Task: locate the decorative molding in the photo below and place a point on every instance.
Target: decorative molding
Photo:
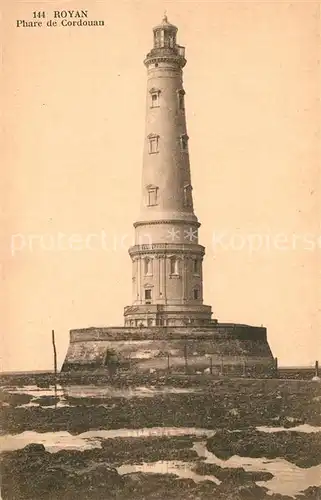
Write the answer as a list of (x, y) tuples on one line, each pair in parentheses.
[(167, 221), (179, 60), (167, 249), (174, 256)]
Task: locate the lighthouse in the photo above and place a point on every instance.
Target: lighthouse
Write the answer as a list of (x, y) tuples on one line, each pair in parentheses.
[(167, 327), (167, 259)]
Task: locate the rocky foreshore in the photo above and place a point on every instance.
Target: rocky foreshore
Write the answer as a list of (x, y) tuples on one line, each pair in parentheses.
[(35, 474), (226, 404), (302, 449), (222, 405)]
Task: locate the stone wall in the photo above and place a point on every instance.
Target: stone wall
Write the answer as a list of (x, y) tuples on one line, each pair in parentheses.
[(169, 349)]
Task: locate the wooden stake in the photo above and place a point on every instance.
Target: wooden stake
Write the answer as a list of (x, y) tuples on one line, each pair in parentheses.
[(55, 352), (55, 364)]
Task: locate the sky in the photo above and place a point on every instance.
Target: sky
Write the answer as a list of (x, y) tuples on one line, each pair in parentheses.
[(72, 142)]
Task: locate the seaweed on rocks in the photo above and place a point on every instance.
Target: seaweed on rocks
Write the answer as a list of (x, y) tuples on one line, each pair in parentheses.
[(304, 450), (235, 475)]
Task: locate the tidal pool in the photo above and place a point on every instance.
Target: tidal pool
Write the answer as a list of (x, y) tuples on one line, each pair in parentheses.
[(179, 468), (299, 428), (55, 441), (288, 479), (91, 392)]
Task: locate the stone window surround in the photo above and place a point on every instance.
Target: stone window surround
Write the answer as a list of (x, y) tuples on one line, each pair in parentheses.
[(152, 195), (174, 268), (148, 266), (148, 297), (154, 92), (184, 142), (187, 195), (153, 143), (196, 267), (181, 100)]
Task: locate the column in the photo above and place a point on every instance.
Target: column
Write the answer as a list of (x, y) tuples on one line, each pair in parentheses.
[(139, 279), (165, 279), (158, 276), (184, 263)]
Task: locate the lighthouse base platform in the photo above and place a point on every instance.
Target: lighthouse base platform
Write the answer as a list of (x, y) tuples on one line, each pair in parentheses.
[(218, 348)]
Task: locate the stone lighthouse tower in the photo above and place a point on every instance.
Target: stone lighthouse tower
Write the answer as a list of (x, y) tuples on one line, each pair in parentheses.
[(167, 326), (167, 287)]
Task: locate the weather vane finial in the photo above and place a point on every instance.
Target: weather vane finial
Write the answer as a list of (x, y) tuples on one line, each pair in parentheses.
[(165, 16)]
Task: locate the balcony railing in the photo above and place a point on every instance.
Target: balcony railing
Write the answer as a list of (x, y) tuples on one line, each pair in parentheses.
[(168, 247)]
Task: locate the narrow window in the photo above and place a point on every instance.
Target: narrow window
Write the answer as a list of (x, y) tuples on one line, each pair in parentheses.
[(196, 266), (174, 265), (154, 93), (148, 266), (196, 294), (188, 202), (152, 196), (153, 143), (148, 296), (184, 142), (157, 39), (154, 100), (181, 99), (162, 37)]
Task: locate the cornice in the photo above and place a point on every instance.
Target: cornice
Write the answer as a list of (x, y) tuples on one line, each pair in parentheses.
[(165, 249), (167, 221), (179, 60)]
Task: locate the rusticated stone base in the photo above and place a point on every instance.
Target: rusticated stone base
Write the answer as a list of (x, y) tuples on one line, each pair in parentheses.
[(223, 348)]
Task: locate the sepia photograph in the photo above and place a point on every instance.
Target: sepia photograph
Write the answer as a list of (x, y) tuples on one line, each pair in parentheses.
[(161, 250)]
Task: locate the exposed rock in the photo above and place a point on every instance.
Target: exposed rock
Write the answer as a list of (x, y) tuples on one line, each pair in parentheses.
[(46, 400), (233, 475), (312, 493), (225, 404), (300, 448), (13, 399), (247, 491), (33, 473)]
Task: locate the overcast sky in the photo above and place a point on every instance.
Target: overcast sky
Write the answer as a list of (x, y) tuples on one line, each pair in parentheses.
[(74, 111)]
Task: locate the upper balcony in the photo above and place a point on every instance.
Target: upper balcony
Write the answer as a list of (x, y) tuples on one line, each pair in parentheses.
[(176, 53)]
